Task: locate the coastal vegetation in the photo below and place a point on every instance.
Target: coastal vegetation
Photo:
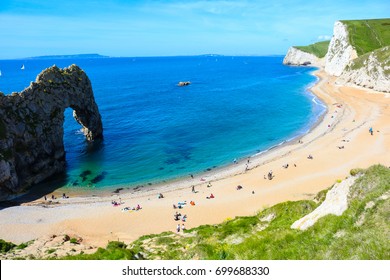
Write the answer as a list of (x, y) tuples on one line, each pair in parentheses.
[(382, 56), (368, 35), (361, 232), (319, 49)]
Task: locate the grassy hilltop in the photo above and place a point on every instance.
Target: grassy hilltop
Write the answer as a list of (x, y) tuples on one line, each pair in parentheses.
[(368, 35), (319, 49), (364, 35)]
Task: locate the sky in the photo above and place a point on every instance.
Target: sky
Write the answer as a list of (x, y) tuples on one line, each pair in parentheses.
[(167, 28)]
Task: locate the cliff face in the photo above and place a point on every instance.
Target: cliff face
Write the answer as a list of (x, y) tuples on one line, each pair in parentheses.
[(295, 56), (340, 52), (371, 70), (31, 126)]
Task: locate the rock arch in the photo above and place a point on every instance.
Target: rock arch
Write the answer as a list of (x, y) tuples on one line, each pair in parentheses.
[(31, 126)]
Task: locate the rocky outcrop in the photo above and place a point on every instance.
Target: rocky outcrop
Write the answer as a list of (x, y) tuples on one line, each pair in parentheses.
[(31, 126), (295, 56), (371, 70), (336, 202), (340, 52)]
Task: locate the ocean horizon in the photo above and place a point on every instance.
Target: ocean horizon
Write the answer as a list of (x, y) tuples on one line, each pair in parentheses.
[(154, 130)]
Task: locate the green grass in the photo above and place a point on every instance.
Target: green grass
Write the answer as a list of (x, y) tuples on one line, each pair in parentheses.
[(368, 35), (382, 55), (6, 246), (115, 250), (319, 49)]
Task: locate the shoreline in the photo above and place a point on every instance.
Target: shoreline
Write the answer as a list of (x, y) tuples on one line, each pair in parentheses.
[(350, 112), (228, 169)]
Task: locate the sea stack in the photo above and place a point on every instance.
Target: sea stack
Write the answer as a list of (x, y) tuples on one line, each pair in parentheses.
[(31, 127)]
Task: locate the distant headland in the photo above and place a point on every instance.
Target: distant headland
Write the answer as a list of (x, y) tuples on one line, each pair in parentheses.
[(60, 56)]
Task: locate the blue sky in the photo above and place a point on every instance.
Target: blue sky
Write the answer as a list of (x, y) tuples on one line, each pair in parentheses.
[(177, 27)]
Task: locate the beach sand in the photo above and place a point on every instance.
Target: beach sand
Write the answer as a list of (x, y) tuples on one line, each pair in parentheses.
[(351, 112)]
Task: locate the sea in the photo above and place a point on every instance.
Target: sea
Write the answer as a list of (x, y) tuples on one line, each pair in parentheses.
[(155, 131)]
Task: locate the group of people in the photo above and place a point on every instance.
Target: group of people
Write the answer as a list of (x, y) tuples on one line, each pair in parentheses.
[(53, 196), (211, 196)]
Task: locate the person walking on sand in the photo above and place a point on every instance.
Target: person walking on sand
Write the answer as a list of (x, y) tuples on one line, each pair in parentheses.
[(178, 228), (193, 189), (371, 131), (183, 227)]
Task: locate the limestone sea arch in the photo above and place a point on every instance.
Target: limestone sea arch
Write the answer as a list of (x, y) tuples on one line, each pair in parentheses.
[(31, 126)]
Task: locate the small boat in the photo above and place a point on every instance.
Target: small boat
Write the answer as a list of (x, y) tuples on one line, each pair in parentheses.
[(182, 84), (22, 67), (0, 73)]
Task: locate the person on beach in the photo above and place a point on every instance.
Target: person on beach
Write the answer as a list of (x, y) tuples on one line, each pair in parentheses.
[(192, 176), (192, 203), (178, 228), (160, 195), (209, 185), (184, 218), (270, 175), (235, 161), (183, 227), (193, 189), (371, 131), (45, 197), (310, 157)]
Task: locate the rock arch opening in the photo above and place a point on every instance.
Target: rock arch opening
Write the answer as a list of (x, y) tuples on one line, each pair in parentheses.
[(32, 132)]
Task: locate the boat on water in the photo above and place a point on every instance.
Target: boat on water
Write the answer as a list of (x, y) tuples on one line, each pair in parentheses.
[(182, 84), (0, 73), (22, 67)]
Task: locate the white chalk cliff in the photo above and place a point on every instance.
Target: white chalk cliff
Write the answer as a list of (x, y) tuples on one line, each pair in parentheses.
[(371, 70), (340, 52), (295, 56)]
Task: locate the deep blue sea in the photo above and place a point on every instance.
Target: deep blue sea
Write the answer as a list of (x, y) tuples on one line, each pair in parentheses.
[(154, 130)]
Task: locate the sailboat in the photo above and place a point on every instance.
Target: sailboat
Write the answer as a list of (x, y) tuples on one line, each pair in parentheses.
[(22, 67)]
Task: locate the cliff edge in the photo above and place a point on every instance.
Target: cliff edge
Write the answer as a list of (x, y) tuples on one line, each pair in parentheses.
[(340, 52), (311, 55), (297, 57), (31, 126), (358, 54)]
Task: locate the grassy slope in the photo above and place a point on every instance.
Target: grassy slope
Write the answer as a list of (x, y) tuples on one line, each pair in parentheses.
[(332, 237), (368, 35), (319, 49), (382, 55)]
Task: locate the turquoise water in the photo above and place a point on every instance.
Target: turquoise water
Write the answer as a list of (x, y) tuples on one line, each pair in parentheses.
[(154, 130)]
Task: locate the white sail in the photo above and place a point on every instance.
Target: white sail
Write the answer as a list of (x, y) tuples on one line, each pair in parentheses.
[(22, 67)]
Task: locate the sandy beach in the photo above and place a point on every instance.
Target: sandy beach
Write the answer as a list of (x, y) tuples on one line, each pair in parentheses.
[(339, 142)]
